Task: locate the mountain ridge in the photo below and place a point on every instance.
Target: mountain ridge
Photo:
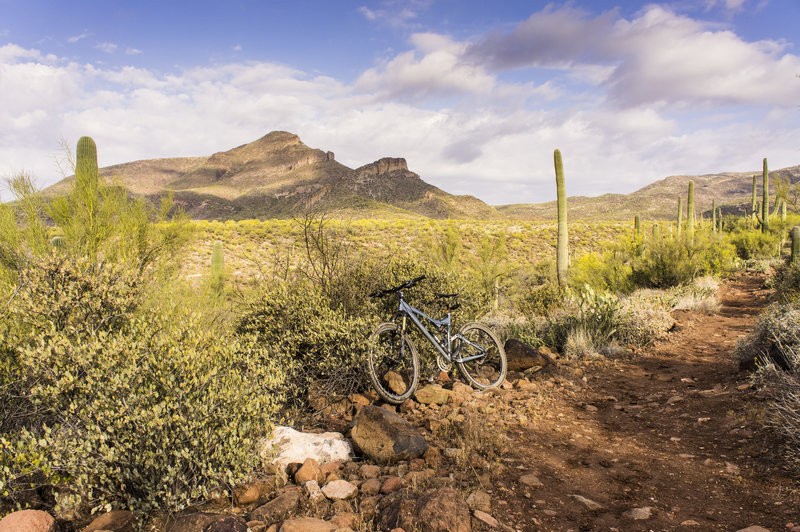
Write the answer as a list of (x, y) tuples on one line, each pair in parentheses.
[(278, 176)]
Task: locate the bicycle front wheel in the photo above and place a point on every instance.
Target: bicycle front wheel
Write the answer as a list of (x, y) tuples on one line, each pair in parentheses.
[(393, 364), (480, 357)]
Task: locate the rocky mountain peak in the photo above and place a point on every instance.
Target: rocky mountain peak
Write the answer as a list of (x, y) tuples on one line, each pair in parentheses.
[(383, 166)]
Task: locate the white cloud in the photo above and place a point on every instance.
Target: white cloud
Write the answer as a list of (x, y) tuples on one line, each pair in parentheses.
[(107, 47), (132, 51), (76, 38), (396, 13), (659, 56)]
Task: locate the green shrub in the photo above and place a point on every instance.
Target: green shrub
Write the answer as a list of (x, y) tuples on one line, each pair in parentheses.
[(644, 317), (755, 244), (103, 407), (610, 271), (668, 263), (319, 340), (786, 282)]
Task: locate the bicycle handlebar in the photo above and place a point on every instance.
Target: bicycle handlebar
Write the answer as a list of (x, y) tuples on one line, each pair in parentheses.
[(401, 286)]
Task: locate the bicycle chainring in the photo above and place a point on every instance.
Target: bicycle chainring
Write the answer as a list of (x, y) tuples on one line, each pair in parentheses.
[(443, 364)]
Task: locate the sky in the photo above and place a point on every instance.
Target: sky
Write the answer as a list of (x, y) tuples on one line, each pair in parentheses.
[(475, 95)]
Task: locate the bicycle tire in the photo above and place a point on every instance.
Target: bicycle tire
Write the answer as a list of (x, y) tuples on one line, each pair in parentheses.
[(488, 371), (386, 356)]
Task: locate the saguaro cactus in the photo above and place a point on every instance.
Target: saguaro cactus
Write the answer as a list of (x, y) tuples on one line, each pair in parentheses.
[(86, 172), (765, 199), (562, 251), (637, 227), (656, 232), (713, 216), (795, 244), (753, 202), (680, 215), (690, 219), (217, 263)]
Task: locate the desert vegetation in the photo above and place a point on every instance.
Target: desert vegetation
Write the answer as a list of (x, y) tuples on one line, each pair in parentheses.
[(144, 354)]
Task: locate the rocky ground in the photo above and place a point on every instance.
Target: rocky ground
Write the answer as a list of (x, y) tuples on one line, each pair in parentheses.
[(664, 439)]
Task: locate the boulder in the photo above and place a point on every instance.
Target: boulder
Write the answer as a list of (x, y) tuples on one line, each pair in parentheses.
[(287, 445), (307, 524), (277, 509), (310, 470), (339, 490), (520, 356), (227, 523), (443, 510), (115, 520), (432, 393), (257, 491), (189, 522), (438, 510), (480, 500), (386, 437), (27, 521)]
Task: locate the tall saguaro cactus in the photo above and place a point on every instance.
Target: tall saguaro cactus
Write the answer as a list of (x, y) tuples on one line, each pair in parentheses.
[(217, 264), (713, 216), (753, 202), (795, 244), (680, 215), (562, 251), (87, 192), (690, 219), (765, 199)]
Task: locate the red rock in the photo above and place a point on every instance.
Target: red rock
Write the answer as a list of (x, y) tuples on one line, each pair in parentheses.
[(27, 521)]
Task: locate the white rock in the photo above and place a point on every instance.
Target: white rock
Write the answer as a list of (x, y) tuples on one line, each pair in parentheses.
[(639, 514), (288, 445), (314, 493), (589, 503), (339, 489), (754, 528)]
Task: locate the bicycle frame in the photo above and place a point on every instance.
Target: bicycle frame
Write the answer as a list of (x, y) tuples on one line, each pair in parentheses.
[(415, 314)]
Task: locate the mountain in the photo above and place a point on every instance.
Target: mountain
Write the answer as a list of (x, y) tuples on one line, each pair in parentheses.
[(659, 200), (278, 176)]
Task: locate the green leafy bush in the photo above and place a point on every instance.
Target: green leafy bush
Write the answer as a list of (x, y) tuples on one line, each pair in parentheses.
[(751, 244), (786, 282), (319, 341), (113, 407), (672, 262)]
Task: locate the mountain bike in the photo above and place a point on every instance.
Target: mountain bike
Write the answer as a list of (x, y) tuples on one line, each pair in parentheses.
[(393, 358)]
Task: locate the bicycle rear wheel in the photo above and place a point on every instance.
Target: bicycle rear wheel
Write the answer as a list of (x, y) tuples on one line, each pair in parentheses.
[(480, 357), (393, 363)]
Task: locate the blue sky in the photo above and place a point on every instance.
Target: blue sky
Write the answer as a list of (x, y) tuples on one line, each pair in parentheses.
[(474, 94)]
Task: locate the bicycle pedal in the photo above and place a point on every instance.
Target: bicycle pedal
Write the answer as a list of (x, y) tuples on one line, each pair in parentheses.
[(435, 376)]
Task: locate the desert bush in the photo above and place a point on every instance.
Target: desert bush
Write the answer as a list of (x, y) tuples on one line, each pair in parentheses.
[(672, 262), (753, 244), (775, 346), (700, 296), (320, 341), (586, 324), (608, 271), (776, 337), (124, 407), (786, 282), (644, 317)]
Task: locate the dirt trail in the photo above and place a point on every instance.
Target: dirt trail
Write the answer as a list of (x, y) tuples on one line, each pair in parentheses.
[(672, 430)]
